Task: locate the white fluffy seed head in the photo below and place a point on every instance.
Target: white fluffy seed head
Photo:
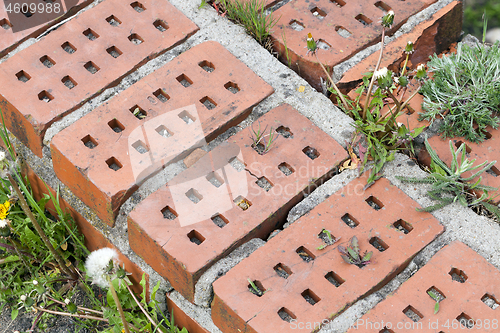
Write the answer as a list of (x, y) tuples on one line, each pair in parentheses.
[(23, 298), (97, 263), (380, 73)]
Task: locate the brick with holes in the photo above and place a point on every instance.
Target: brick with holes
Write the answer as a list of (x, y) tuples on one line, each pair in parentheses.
[(107, 154), (317, 283), (231, 195), (465, 285), (74, 63), (341, 28)]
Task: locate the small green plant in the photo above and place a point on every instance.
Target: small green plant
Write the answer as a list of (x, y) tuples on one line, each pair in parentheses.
[(287, 52), (259, 141), (202, 4), (254, 289), (464, 91), (352, 254), (378, 134), (251, 15), (455, 183), (327, 238), (435, 297)]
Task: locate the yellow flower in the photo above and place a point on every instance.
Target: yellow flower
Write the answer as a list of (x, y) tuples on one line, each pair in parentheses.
[(4, 210)]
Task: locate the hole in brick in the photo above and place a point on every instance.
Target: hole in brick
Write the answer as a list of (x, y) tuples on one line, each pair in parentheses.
[(140, 147), (363, 19), (334, 279), (91, 67), (305, 254), (243, 203), (237, 164), (412, 313), (323, 45), (5, 24), (89, 142), (282, 270), (311, 152), (350, 221), (219, 220), (310, 296), (68, 47), (91, 34), (135, 39), (163, 131), (232, 87), (374, 203), (285, 132), (45, 96), (286, 168), (69, 82), (47, 62), (208, 103), (458, 275), (138, 7), (386, 330), (402, 225), (439, 296), (25, 10), (296, 25), (465, 321), (286, 315), (161, 25), (467, 148), (113, 21), (490, 301), (343, 32), (339, 3), (23, 76), (184, 80), (327, 237), (195, 237), (161, 95), (114, 51), (264, 183), (257, 288), (169, 213), (194, 195), (215, 179), (487, 135), (207, 66), (382, 6), (116, 126), (493, 171), (187, 117), (379, 244), (138, 112), (114, 164), (318, 13)]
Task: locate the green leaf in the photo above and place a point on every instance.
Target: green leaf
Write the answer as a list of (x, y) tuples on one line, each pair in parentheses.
[(367, 256), (12, 258), (436, 308), (14, 314)]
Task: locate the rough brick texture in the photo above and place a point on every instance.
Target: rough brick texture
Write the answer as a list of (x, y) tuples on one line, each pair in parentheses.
[(180, 239), (304, 284), (463, 281), (91, 52)]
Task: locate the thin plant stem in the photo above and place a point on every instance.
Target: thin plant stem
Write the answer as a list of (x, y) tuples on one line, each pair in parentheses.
[(81, 308), (118, 305), (71, 314), (141, 307), (346, 106), (398, 105), (21, 256), (404, 66), (29, 213), (370, 87)]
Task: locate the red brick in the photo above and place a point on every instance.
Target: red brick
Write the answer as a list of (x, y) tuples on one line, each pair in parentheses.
[(182, 319), (30, 107), (339, 14), (166, 244), (462, 298), (94, 240), (235, 308), (86, 172), (429, 37), (30, 27)]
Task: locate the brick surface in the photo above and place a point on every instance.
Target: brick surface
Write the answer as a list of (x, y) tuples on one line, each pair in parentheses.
[(181, 239), (466, 281), (488, 150), (321, 276), (429, 37), (175, 121), (182, 319), (94, 240), (17, 27), (343, 27), (77, 61)]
